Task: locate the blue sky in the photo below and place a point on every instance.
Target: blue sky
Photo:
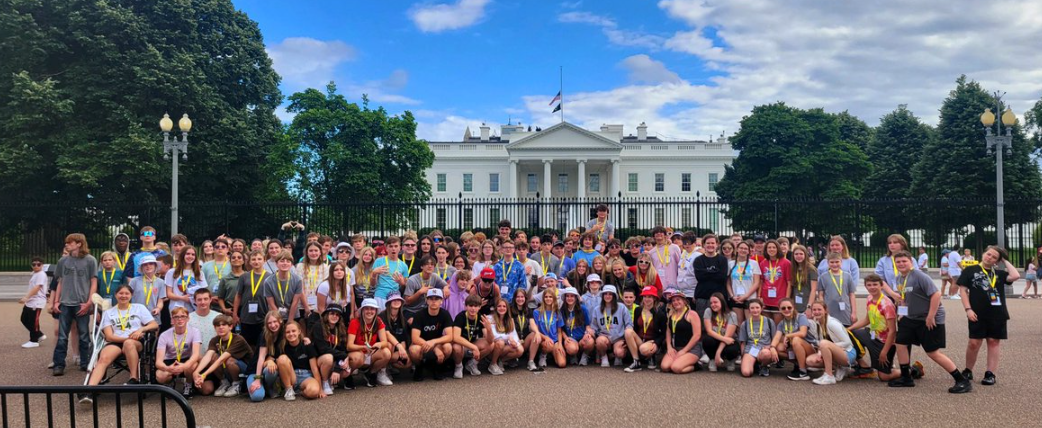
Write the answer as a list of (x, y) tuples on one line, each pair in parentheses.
[(689, 68)]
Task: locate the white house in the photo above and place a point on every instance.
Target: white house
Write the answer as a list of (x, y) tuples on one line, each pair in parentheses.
[(566, 161)]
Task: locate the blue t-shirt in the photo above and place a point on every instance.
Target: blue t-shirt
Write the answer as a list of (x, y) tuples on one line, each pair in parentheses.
[(511, 276), (549, 323), (583, 255), (574, 327), (133, 270), (385, 283)]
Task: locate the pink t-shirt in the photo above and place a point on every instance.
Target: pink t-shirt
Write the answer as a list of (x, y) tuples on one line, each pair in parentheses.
[(774, 275), (170, 344)]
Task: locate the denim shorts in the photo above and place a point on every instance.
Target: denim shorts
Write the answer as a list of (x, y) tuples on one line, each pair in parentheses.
[(302, 375)]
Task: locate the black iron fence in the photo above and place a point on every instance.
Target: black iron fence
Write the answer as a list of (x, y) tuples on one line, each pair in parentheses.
[(28, 229), (58, 405)]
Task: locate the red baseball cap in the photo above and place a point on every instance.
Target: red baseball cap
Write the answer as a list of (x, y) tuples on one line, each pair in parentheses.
[(649, 291), (488, 273)]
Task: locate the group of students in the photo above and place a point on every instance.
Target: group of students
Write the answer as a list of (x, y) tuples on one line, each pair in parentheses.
[(675, 302)]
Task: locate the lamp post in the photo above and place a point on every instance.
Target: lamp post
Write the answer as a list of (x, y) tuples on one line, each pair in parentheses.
[(1000, 142), (174, 146)]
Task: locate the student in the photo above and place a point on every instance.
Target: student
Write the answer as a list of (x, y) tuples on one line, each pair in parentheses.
[(417, 285), (586, 251), (486, 256), (619, 275), (887, 269), (442, 268), (876, 331), (835, 350), (121, 246), (149, 290), (336, 288), (755, 335), (719, 343), (470, 338), (686, 281), (461, 286), (611, 325), (365, 279), (228, 287), (506, 345), (549, 284), (184, 279), (548, 327), (649, 324), (297, 363), (267, 369), (578, 341), (804, 280), (225, 358), (77, 281), (533, 271), (645, 275), (202, 318), (633, 247), (510, 273), (743, 281), (838, 291), (409, 254), (593, 291), (250, 306), (548, 262), (579, 277), (283, 290), (682, 336), (178, 351), (368, 349), (727, 249), (487, 290), (399, 335), (665, 257), (521, 313), (600, 227), (848, 264), (431, 337), (273, 248), (776, 274), (109, 277), (34, 300), (711, 272), (148, 247), (124, 327), (922, 324), (983, 291), (217, 269), (391, 272), (313, 270)]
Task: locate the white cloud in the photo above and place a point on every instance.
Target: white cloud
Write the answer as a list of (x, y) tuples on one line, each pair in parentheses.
[(611, 30), (644, 69), (447, 126), (305, 62), (435, 18)]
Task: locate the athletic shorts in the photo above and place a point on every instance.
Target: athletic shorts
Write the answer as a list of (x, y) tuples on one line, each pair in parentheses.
[(988, 329), (874, 348), (914, 332), (735, 305)]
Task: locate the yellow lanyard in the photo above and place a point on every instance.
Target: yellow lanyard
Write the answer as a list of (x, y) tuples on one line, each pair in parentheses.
[(123, 263), (788, 325), (756, 340), (218, 272), (677, 319), (546, 266), (548, 323), (893, 264), (607, 319), (282, 293), (602, 232), (521, 321), (799, 285), (571, 322), (992, 278), (506, 269), (180, 347), (397, 264), (314, 277), (443, 273), (646, 320), (369, 331), (124, 321), (108, 282), (149, 288), (663, 257), (184, 281), (633, 311), (367, 280), (720, 324), (254, 285), (772, 270), (903, 285), (411, 262), (226, 347), (839, 287)]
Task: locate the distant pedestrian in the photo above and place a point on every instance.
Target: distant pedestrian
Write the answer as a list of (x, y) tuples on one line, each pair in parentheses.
[(34, 300)]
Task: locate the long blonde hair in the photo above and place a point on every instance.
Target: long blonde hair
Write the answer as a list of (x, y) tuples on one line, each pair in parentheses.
[(651, 275), (273, 338)]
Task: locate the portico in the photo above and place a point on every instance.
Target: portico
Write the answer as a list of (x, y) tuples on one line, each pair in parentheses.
[(568, 162)]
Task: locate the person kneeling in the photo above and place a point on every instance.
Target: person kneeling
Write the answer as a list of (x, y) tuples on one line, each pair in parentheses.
[(469, 333), (431, 337), (178, 352), (367, 345), (297, 364), (225, 359)]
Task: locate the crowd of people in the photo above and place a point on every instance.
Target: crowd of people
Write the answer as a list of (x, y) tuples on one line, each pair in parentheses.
[(251, 317)]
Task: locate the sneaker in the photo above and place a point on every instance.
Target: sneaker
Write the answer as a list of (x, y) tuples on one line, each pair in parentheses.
[(495, 369), (42, 338), (901, 382), (233, 390), (542, 361), (349, 381), (573, 360), (825, 379), (532, 367), (458, 373), (968, 374), (961, 387), (417, 375), (326, 389), (604, 361), (132, 381), (584, 359), (779, 365), (863, 373), (651, 364), (917, 370), (618, 362), (841, 373), (634, 367), (730, 366), (31, 344), (704, 359), (290, 395), (86, 399), (438, 374), (712, 366), (50, 365), (798, 375), (383, 379), (814, 369), (989, 379), (765, 371), (187, 391), (222, 389), (58, 371), (370, 380), (472, 367), (956, 297)]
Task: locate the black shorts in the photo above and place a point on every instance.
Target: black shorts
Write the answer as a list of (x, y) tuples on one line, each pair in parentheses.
[(914, 332), (874, 348), (735, 305), (988, 329)]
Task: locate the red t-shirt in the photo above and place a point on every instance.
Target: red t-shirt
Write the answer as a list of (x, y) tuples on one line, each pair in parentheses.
[(775, 277), (362, 334)]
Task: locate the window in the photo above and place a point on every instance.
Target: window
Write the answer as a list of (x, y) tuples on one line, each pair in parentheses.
[(468, 182), (631, 217), (493, 217), (562, 183), (685, 218), (685, 182), (633, 182), (660, 216), (713, 179), (714, 220), (595, 183), (468, 218), (532, 185), (660, 183), (441, 182), (493, 182), (440, 218)]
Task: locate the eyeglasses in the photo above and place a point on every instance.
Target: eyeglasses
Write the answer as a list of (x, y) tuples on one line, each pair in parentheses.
[(37, 264), (409, 245), (179, 317), (220, 246), (472, 250)]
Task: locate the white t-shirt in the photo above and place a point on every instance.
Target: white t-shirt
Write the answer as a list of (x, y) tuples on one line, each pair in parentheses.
[(923, 258), (38, 300), (189, 282), (345, 301), (510, 337), (204, 325), (124, 322), (953, 264)]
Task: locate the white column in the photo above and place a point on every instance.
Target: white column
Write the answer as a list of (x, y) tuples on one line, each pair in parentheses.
[(581, 182), (512, 180), (546, 178), (615, 178)]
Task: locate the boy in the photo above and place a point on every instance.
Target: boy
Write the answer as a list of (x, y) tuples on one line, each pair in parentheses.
[(510, 273), (225, 359), (922, 324), (148, 247), (602, 229), (587, 251), (202, 318), (77, 281), (417, 285), (218, 268), (468, 337), (880, 334), (665, 257), (838, 288), (431, 337), (284, 290), (391, 279), (34, 301), (178, 352)]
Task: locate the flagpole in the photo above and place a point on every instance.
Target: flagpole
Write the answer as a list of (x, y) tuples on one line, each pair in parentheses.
[(562, 93)]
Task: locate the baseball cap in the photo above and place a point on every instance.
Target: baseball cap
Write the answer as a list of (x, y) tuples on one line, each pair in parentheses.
[(649, 291), (488, 274), (551, 275), (594, 277), (670, 292), (759, 238), (435, 292), (371, 303), (335, 307)]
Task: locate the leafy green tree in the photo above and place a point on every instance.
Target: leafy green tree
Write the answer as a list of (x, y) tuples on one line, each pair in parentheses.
[(897, 145), (854, 130)]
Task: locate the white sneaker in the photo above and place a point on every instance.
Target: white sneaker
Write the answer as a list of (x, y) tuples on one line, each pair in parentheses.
[(956, 297), (44, 337), (30, 344), (584, 359), (50, 365), (290, 395), (841, 373), (223, 388), (704, 360), (326, 388), (542, 360), (730, 366), (233, 390), (495, 369), (604, 361), (825, 379), (531, 366), (383, 379), (458, 373), (472, 367), (712, 365)]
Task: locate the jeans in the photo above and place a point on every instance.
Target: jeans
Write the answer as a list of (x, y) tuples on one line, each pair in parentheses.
[(268, 383), (66, 317)]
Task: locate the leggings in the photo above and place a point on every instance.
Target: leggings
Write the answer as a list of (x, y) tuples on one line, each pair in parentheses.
[(730, 352), (31, 321)]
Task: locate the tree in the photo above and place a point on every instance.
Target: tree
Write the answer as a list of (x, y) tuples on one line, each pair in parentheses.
[(854, 130), (788, 153), (897, 145), (962, 170)]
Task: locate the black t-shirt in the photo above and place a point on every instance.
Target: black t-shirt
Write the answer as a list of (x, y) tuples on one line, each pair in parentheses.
[(978, 283), (431, 326), (398, 328), (300, 355), (472, 330), (629, 259)]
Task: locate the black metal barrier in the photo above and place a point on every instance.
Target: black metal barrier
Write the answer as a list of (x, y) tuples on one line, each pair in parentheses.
[(50, 393)]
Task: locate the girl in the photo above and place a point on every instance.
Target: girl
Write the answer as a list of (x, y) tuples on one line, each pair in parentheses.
[(395, 324), (549, 337), (618, 275), (473, 251), (776, 274), (743, 280), (804, 280), (520, 313), (208, 252), (228, 287), (297, 363), (109, 276), (487, 257), (792, 340), (330, 340), (249, 304), (681, 335), (365, 279), (983, 292), (506, 345), (649, 324), (577, 277), (442, 268), (599, 266), (645, 275), (839, 245), (313, 270), (274, 247), (576, 319), (727, 249), (834, 346), (124, 327), (1031, 277), (267, 369), (755, 335), (184, 279), (611, 326), (337, 289), (719, 343), (367, 343)]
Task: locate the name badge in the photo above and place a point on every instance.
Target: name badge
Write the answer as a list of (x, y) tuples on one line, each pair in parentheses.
[(503, 290), (994, 297), (754, 351), (902, 311), (799, 300), (772, 293), (252, 308), (368, 359), (842, 306), (872, 334), (739, 290), (792, 355)]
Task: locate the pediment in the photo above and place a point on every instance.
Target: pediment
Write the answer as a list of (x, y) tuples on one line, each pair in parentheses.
[(564, 136)]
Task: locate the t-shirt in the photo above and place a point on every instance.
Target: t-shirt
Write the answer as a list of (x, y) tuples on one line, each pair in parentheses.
[(686, 280), (550, 264), (385, 283), (954, 264), (508, 337), (801, 287), (666, 261), (923, 260), (431, 326), (582, 254), (311, 277), (134, 269), (414, 284), (124, 322), (108, 282), (214, 272), (606, 231), (775, 281), (742, 275), (204, 325), (886, 268), (575, 324), (399, 329), (252, 305), (879, 311), (147, 292), (300, 354), (235, 345), (171, 343), (756, 333), (365, 285), (720, 323), (335, 296), (837, 290), (918, 290), (789, 326), (184, 285), (39, 299), (282, 290), (472, 330), (75, 274), (549, 323), (849, 265), (227, 289), (365, 332), (978, 282)]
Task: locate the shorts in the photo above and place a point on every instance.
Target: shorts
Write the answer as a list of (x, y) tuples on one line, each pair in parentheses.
[(302, 375), (735, 305), (914, 332), (874, 348), (1030, 277), (988, 329), (851, 355), (771, 309), (955, 278), (944, 274)]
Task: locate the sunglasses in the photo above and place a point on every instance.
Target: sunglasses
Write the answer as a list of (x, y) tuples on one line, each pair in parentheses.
[(643, 263), (148, 234), (37, 264), (409, 245), (472, 250), (220, 246), (786, 308), (342, 250)]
